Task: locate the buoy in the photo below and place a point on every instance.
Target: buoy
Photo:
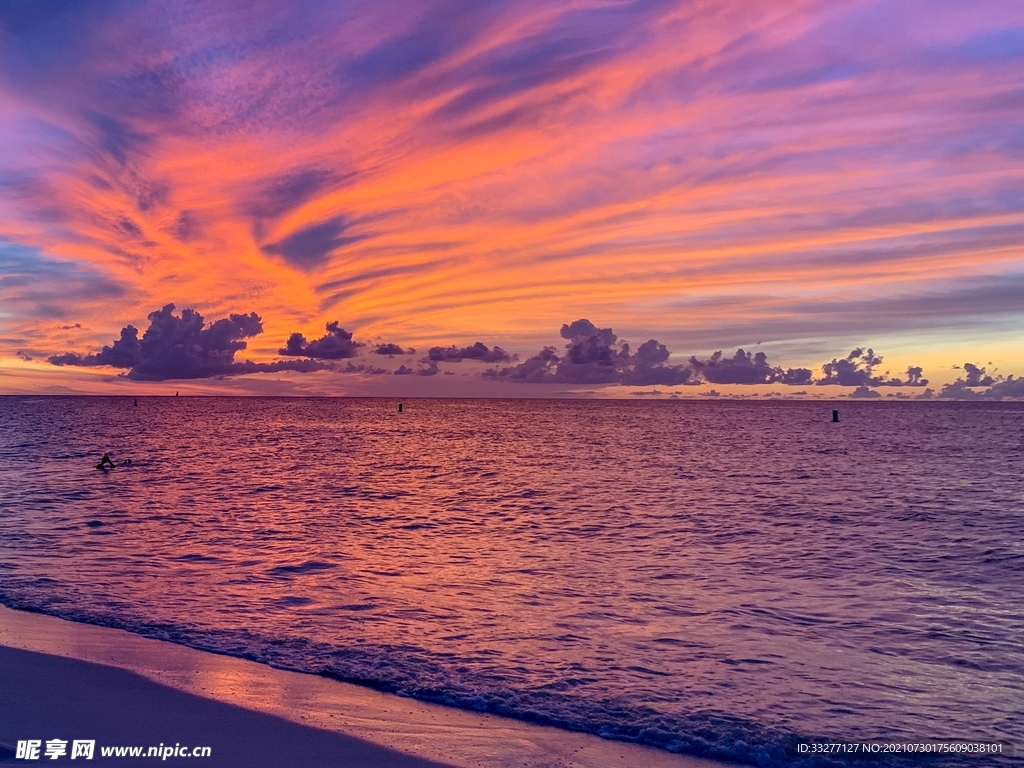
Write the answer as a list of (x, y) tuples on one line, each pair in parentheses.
[(835, 417), (399, 407), (136, 402)]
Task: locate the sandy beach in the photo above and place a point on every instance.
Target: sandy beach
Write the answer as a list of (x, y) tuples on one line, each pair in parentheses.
[(68, 681)]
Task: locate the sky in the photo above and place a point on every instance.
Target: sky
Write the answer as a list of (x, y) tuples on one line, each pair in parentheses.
[(286, 198)]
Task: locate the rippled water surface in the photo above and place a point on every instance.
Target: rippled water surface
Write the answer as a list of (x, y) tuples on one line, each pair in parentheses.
[(706, 577)]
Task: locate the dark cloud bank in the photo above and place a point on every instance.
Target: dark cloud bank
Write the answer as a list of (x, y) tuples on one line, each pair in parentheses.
[(185, 347)]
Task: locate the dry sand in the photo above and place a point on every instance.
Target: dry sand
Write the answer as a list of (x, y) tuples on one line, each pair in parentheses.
[(60, 679)]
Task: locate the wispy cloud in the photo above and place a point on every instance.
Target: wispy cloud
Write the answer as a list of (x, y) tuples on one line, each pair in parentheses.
[(716, 174)]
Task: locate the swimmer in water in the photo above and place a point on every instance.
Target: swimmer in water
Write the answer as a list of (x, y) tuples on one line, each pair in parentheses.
[(105, 462)]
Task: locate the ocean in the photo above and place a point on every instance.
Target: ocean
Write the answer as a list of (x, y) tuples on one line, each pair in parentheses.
[(718, 578)]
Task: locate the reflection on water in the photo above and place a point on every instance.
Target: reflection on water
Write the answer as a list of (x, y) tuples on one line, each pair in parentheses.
[(701, 576)]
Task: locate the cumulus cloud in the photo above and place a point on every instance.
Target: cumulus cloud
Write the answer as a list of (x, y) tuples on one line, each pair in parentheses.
[(392, 349), (648, 366), (915, 377), (591, 357), (336, 344), (977, 377), (1010, 387), (595, 356), (430, 370), (865, 393), (184, 347), (857, 370), (741, 368), (746, 368), (538, 368), (126, 352), (478, 351), (352, 368)]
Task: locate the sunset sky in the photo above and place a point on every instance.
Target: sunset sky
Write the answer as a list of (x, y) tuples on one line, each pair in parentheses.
[(797, 178)]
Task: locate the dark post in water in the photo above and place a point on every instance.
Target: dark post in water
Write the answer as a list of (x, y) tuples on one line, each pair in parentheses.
[(835, 417), (399, 407)]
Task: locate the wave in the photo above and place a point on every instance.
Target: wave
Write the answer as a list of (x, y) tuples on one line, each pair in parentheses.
[(414, 672)]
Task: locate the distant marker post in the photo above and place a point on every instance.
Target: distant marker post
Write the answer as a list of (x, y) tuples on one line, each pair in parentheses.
[(835, 417), (399, 407)]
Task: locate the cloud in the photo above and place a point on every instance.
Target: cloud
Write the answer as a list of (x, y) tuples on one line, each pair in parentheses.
[(591, 355), (284, 192), (855, 370), (864, 392), (430, 370), (184, 347), (977, 377), (537, 369), (741, 368), (478, 351), (648, 366), (310, 247), (995, 387), (594, 356), (126, 352), (33, 285), (914, 376), (747, 368), (352, 368), (336, 344), (1010, 387), (392, 349)]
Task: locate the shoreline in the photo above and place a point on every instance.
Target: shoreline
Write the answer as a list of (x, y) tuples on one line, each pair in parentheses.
[(61, 679)]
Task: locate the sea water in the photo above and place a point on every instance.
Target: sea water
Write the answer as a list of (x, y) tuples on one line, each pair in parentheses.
[(714, 578)]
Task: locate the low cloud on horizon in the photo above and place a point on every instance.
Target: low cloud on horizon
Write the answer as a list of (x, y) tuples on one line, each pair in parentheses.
[(186, 347)]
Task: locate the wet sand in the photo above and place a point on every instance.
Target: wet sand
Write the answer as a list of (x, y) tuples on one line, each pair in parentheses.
[(63, 680)]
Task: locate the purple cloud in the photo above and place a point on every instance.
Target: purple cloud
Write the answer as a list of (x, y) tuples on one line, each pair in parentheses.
[(336, 344), (478, 351), (393, 349), (184, 347), (995, 387)]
